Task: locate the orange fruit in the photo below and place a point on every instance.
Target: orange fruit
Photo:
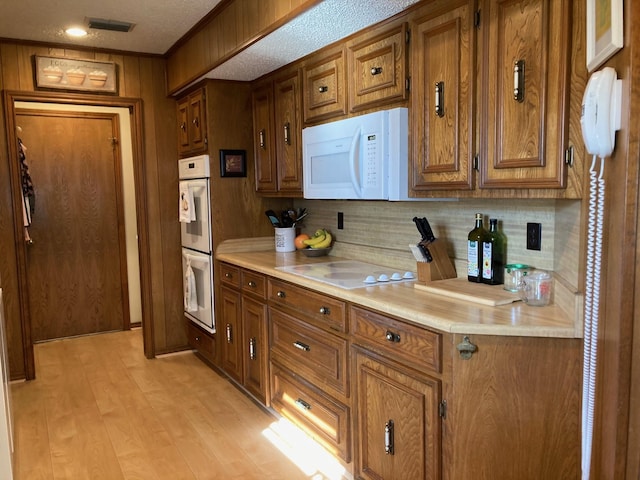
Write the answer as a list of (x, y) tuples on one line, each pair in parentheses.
[(299, 241)]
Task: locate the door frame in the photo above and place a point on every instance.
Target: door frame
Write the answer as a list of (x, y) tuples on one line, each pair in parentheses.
[(135, 108)]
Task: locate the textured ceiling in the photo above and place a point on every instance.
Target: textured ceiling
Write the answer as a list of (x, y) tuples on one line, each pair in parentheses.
[(161, 23)]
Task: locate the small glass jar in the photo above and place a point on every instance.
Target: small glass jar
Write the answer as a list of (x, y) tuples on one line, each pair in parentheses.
[(536, 288), (513, 275)]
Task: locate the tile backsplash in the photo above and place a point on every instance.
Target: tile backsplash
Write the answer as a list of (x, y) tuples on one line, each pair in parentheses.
[(380, 232)]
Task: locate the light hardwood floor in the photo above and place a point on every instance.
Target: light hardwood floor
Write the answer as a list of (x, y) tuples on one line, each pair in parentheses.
[(100, 410)]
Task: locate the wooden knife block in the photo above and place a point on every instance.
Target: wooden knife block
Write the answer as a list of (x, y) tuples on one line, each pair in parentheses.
[(440, 268)]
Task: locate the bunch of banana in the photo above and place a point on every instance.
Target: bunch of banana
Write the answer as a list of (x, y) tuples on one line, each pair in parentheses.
[(321, 239)]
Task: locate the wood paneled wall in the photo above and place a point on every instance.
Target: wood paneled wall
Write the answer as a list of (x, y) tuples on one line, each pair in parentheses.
[(138, 77)]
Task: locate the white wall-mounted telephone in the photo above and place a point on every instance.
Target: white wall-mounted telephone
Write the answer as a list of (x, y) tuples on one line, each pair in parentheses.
[(601, 112)]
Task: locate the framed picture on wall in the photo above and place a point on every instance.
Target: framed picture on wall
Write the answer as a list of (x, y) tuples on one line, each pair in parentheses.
[(605, 35), (71, 74), (233, 163)]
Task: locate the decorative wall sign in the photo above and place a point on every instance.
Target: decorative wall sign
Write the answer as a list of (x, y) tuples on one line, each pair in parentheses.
[(233, 163), (605, 34), (76, 74)]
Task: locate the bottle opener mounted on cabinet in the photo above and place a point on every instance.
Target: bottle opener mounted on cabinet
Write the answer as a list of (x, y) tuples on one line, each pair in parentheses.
[(435, 263)]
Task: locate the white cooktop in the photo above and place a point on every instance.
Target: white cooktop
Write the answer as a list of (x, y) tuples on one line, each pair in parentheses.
[(349, 274)]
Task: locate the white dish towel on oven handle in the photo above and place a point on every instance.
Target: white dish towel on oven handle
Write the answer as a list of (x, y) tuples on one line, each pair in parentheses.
[(187, 209), (190, 294)]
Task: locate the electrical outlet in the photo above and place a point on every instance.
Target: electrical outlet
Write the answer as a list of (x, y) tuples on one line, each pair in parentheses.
[(534, 236), (340, 220)]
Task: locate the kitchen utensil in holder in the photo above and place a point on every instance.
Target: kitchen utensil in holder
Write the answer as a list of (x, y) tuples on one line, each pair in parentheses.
[(440, 267)]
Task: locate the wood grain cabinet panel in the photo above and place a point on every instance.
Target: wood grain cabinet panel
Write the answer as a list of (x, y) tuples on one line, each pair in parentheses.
[(264, 148), (201, 341), (230, 332), (288, 133), (377, 66), (443, 84), (256, 349), (525, 67), (324, 87), (398, 426), (192, 123)]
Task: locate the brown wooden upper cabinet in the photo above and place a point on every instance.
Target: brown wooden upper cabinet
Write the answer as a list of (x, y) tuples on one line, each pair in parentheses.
[(525, 66), (324, 86), (442, 113), (192, 123), (277, 136), (377, 64)]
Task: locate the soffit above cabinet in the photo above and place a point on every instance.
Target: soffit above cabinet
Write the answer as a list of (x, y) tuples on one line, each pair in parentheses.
[(325, 23)]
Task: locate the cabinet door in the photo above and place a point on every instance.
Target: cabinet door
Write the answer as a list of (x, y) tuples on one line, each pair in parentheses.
[(197, 121), (231, 333), (254, 330), (183, 125), (325, 88), (442, 102), (265, 160), (378, 66), (398, 427), (288, 133), (526, 66)]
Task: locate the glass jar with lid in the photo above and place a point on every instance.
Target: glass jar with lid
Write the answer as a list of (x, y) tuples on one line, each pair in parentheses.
[(513, 275)]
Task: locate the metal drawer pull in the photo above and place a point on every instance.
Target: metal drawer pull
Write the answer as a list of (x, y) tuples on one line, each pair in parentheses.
[(518, 80), (261, 138), (183, 126), (196, 122), (197, 339), (302, 404), (388, 437), (466, 348), (251, 284), (376, 70), (325, 310), (252, 348), (280, 294), (301, 346), (287, 137), (392, 337), (227, 275), (229, 333), (439, 99), (323, 89)]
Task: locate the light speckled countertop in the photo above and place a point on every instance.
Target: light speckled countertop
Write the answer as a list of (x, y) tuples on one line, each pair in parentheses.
[(404, 301)]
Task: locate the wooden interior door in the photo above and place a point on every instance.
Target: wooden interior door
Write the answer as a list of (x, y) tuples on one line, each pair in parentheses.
[(76, 266)]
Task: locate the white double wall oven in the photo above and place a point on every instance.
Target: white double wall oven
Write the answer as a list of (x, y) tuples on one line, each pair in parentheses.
[(197, 251)]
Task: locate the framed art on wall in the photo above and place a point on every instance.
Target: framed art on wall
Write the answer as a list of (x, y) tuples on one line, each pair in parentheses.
[(71, 74), (233, 163), (605, 35)]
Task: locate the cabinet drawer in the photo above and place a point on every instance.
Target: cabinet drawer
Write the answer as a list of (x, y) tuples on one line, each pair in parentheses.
[(324, 88), (254, 283), (325, 311), (230, 275), (398, 339), (200, 340), (321, 416), (318, 356)]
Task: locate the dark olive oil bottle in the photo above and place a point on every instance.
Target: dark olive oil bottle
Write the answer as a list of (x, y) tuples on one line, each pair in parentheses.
[(474, 251), (493, 255)]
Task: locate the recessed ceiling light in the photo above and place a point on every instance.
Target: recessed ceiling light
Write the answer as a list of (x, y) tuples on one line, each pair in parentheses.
[(76, 32)]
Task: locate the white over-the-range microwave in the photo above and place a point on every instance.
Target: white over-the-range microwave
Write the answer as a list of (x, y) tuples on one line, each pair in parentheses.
[(363, 157)]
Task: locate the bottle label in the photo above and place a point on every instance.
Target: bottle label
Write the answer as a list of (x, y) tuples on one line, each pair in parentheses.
[(487, 258), (473, 269)]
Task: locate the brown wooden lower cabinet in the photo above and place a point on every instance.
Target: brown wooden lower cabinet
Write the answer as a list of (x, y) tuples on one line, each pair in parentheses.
[(397, 426)]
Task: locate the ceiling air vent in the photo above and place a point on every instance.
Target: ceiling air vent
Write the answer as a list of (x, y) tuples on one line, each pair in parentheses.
[(113, 25)]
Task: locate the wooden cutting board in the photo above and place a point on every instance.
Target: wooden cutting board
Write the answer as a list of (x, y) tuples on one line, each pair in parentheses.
[(463, 289)]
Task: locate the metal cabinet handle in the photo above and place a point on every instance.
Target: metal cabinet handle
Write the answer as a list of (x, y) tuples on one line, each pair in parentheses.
[(392, 337), (183, 126), (280, 294), (518, 80), (325, 310), (196, 121), (439, 99), (376, 70), (466, 348), (229, 333), (227, 275), (287, 136), (197, 339), (302, 404), (252, 348), (301, 346), (251, 284), (261, 138), (323, 89), (388, 437)]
